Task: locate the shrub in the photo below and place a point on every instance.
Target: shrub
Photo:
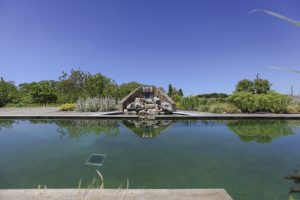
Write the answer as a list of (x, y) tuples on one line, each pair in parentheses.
[(101, 104), (67, 107), (293, 108), (203, 108), (244, 101), (224, 108), (191, 102), (277, 103), (269, 102)]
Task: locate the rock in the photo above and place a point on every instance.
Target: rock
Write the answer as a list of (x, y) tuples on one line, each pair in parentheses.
[(142, 112), (138, 106), (151, 112), (156, 100), (131, 112), (130, 107), (166, 108), (149, 101), (138, 100), (157, 107), (149, 106), (146, 117)]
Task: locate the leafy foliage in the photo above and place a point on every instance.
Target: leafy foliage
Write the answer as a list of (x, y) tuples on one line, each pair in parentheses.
[(71, 86), (245, 85), (213, 95), (44, 92), (99, 85), (180, 92), (170, 90), (8, 92), (293, 108), (126, 88), (261, 86), (269, 102), (223, 108), (258, 86)]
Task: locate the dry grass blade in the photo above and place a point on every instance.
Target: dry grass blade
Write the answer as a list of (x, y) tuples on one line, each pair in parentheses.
[(79, 184), (101, 178)]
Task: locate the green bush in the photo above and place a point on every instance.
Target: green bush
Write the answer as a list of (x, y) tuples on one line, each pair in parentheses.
[(245, 101), (224, 108), (292, 109), (269, 102), (191, 102), (67, 107), (203, 108)]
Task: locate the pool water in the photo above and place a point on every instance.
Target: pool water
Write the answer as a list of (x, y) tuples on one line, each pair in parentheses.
[(248, 158)]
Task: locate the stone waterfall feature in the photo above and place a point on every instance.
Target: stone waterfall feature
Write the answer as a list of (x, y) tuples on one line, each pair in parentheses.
[(147, 101)]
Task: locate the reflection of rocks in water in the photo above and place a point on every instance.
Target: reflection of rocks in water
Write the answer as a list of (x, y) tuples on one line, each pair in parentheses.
[(296, 178), (262, 131), (146, 128), (80, 127), (6, 123)]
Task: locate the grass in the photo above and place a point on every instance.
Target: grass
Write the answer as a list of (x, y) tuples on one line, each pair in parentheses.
[(94, 190)]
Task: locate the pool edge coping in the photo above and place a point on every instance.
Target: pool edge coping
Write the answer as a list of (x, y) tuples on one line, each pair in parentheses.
[(108, 194)]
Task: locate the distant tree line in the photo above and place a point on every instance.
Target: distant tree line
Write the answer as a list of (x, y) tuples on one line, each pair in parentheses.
[(249, 97), (67, 89)]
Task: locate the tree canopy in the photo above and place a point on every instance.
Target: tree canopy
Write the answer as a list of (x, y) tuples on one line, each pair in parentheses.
[(8, 92), (258, 86)]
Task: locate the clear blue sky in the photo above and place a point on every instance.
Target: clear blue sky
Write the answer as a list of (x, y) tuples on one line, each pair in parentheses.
[(199, 45)]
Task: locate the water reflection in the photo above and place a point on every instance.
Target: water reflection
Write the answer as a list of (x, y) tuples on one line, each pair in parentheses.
[(79, 127), (6, 123), (147, 128), (262, 131)]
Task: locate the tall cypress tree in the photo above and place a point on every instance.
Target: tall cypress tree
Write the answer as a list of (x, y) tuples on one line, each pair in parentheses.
[(180, 92), (170, 91)]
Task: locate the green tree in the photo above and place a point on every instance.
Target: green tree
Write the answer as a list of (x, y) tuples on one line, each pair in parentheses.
[(170, 90), (8, 92), (25, 92), (261, 86), (99, 85), (125, 88), (245, 85), (71, 86), (180, 92), (44, 92)]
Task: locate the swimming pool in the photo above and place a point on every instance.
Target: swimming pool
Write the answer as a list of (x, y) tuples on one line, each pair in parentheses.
[(248, 158)]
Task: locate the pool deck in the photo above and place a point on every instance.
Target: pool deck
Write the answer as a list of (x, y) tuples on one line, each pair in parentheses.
[(53, 112), (114, 194)]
